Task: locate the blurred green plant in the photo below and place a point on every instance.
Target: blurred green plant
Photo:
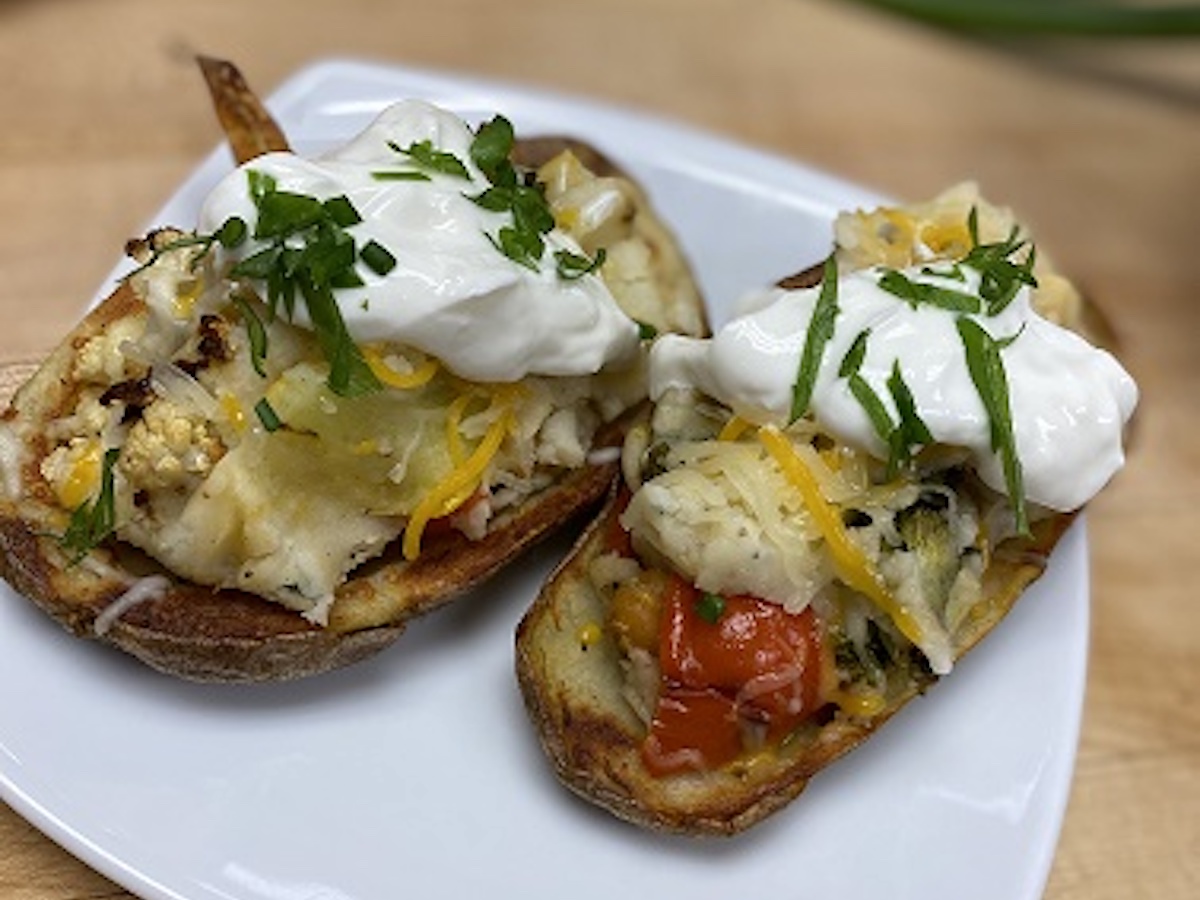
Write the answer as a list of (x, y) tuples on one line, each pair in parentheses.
[(1052, 17)]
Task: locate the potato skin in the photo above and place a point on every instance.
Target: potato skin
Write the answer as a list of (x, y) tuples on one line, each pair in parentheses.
[(573, 693), (199, 634)]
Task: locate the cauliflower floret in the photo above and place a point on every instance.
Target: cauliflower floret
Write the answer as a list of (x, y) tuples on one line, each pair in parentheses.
[(169, 447), (101, 360)]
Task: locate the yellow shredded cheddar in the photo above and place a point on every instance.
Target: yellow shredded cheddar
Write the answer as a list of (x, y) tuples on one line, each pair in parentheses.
[(392, 378), (458, 487), (850, 563), (733, 429)]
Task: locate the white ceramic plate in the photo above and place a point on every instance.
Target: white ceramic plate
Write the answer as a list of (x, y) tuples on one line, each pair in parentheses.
[(415, 774)]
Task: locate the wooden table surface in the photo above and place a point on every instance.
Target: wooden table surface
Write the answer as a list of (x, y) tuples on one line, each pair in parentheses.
[(1097, 145)]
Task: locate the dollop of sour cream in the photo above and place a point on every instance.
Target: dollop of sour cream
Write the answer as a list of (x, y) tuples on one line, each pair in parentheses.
[(1069, 400), (452, 293)]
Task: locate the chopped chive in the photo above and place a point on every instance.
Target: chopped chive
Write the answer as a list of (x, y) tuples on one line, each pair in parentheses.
[(342, 211), (491, 148), (572, 266), (256, 333), (92, 522), (267, 415), (820, 330), (232, 233), (377, 258), (428, 157), (912, 430), (710, 607), (399, 175), (916, 293), (281, 213), (877, 413), (987, 372), (646, 331)]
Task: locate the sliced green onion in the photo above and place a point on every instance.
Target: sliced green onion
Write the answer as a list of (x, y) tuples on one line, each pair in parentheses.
[(92, 522), (377, 258), (232, 233), (256, 334), (572, 266), (916, 293), (646, 331), (281, 213), (710, 607), (267, 415), (1041, 17), (428, 157), (400, 176), (987, 372), (912, 430), (491, 148), (342, 211), (820, 330)]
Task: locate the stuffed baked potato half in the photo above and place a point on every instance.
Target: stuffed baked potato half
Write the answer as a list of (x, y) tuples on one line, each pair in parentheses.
[(777, 577), (232, 470)]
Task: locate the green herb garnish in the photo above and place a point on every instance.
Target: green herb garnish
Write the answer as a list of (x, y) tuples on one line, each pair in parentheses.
[(309, 254), (877, 413), (256, 334), (912, 431), (92, 522), (342, 211), (987, 372), (646, 331), (1093, 19), (820, 330), (377, 258), (999, 276), (267, 415), (231, 234), (491, 150), (900, 437), (917, 293), (572, 266), (523, 241), (400, 176), (710, 607), (424, 155)]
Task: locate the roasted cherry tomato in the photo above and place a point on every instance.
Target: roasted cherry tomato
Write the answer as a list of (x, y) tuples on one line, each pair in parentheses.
[(763, 662)]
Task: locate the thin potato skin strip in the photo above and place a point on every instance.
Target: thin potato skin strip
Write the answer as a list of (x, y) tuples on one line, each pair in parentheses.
[(249, 128)]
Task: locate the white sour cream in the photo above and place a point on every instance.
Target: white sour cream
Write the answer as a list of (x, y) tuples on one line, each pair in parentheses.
[(1069, 400), (451, 294)]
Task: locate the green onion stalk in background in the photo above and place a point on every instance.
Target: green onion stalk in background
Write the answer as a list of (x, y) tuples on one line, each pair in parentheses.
[(1053, 17)]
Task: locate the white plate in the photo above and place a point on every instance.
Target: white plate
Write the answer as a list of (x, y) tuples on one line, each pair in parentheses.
[(415, 774)]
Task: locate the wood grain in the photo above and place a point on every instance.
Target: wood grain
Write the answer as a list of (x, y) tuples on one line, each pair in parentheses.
[(1098, 145)]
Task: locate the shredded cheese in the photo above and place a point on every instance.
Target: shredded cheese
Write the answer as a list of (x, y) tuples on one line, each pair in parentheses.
[(733, 429), (143, 589), (418, 376), (457, 487), (850, 563)]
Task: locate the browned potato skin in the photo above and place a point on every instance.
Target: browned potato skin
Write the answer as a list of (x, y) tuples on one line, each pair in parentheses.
[(573, 694), (196, 633), (249, 128)]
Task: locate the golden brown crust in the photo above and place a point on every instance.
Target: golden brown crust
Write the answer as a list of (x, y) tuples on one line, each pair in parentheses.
[(249, 128), (573, 691)]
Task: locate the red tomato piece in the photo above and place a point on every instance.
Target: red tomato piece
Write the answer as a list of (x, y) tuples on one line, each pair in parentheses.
[(764, 662)]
